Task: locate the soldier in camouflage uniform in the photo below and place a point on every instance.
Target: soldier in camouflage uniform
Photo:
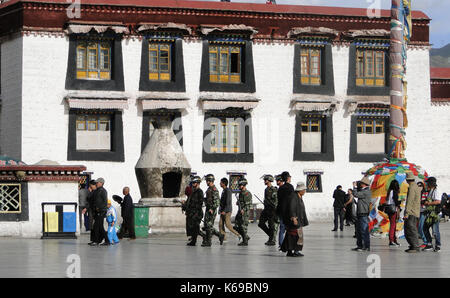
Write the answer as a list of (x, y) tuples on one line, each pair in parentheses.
[(212, 201), (194, 212), (245, 203), (268, 219)]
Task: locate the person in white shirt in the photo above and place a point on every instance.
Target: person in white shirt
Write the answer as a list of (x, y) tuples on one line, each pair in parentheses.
[(432, 206)]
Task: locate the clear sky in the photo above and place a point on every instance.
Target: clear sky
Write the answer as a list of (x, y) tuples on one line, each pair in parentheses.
[(437, 10)]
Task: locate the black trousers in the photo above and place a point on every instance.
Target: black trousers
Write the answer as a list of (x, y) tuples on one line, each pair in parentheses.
[(339, 214), (98, 232), (127, 226)]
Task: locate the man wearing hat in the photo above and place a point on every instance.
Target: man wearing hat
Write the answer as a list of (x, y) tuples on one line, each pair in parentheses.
[(242, 217), (212, 202), (363, 208), (295, 219), (268, 219), (412, 214), (194, 212), (100, 200), (283, 194)]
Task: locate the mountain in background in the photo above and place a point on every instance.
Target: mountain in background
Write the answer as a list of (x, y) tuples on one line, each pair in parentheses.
[(440, 57)]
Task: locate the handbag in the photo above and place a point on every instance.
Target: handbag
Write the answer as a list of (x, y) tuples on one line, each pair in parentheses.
[(390, 209)]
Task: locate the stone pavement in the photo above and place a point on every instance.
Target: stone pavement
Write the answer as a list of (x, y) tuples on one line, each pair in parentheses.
[(327, 254)]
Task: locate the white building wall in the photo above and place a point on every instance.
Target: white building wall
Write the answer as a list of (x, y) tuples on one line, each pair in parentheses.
[(428, 132), (11, 96), (45, 119)]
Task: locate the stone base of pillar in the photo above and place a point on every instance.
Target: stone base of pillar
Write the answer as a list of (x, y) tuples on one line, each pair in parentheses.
[(165, 215)]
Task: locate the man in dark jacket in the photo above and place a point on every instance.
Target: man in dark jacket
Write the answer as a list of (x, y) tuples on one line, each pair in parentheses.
[(363, 208), (225, 209), (100, 200), (284, 191), (127, 209), (194, 212), (90, 210), (339, 208)]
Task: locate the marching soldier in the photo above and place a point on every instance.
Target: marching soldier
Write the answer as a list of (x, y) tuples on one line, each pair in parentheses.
[(212, 201), (194, 212), (268, 219), (245, 203)]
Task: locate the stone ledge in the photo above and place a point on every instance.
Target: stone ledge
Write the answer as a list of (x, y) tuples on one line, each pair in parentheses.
[(159, 202)]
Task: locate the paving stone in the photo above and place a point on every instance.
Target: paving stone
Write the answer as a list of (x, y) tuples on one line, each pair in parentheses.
[(327, 254)]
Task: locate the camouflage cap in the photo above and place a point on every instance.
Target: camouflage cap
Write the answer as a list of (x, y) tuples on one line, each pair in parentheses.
[(196, 179), (268, 177), (242, 181), (209, 177), (278, 178)]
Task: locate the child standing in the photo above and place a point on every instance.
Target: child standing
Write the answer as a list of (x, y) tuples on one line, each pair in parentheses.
[(111, 218)]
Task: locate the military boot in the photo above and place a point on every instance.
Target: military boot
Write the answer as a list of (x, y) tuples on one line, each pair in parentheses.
[(193, 241), (271, 242), (245, 239), (207, 239)]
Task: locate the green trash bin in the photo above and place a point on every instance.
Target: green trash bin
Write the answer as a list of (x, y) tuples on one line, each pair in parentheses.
[(141, 221)]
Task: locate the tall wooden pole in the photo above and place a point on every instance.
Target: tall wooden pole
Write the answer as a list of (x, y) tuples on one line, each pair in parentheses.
[(400, 34)]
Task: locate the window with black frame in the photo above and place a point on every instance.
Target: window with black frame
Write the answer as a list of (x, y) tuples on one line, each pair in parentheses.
[(313, 182), (162, 66), (227, 64), (369, 72), (159, 61), (94, 59), (95, 62), (95, 135), (227, 137), (369, 133), (313, 66), (314, 136)]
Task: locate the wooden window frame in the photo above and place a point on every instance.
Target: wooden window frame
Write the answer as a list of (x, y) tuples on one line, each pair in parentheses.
[(215, 148), (308, 123), (306, 76), (365, 79), (220, 75), (87, 121), (224, 144), (97, 72), (160, 75), (362, 125)]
